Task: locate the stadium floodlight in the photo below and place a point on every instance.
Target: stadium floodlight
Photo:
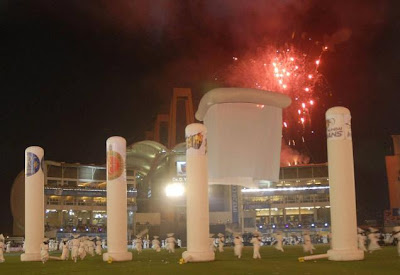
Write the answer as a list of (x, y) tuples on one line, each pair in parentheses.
[(174, 190)]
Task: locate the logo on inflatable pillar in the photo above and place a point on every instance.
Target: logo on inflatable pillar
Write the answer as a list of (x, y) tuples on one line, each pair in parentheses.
[(338, 127), (115, 165), (196, 144), (32, 164)]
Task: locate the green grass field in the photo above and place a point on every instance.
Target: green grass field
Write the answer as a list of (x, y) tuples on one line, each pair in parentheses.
[(385, 261)]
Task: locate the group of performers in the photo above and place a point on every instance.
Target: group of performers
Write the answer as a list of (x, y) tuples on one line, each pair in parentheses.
[(168, 243), (80, 246), (75, 248), (372, 234)]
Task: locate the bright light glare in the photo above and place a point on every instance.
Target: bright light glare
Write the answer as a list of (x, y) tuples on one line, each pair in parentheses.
[(174, 190)]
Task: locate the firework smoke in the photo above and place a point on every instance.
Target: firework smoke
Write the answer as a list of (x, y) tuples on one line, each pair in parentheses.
[(292, 157)]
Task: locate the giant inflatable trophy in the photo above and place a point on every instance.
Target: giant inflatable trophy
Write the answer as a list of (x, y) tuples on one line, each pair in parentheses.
[(244, 134), (34, 203), (342, 189), (116, 201), (243, 144)]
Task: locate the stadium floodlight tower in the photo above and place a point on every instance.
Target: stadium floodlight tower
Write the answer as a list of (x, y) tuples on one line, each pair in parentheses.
[(243, 144)]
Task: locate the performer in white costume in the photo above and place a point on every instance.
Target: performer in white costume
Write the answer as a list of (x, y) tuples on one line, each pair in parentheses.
[(307, 246), (1, 248), (51, 245), (362, 238), (373, 240), (211, 242), (8, 247), (138, 241), (75, 247), (396, 235), (61, 245), (44, 250), (170, 243), (179, 241), (81, 249), (256, 241), (279, 241), (238, 242), (156, 244), (91, 245), (325, 239), (221, 242), (138, 244), (133, 244), (65, 250), (85, 241), (98, 246), (103, 243)]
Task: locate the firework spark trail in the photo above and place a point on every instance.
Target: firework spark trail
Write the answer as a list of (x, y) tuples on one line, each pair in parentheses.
[(286, 70), (283, 70)]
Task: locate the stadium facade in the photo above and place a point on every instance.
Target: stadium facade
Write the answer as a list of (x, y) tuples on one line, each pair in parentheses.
[(75, 194), (75, 198)]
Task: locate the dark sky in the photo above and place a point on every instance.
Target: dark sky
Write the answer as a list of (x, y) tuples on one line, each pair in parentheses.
[(75, 72)]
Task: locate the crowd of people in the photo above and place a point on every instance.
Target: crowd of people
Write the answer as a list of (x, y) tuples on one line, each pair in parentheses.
[(142, 241), (77, 229), (78, 247), (370, 240)]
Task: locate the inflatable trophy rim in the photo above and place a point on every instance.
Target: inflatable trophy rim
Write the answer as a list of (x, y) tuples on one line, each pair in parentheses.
[(240, 95)]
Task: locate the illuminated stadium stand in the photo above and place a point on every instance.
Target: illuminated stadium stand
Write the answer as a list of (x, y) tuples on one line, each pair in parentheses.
[(300, 200), (75, 197), (75, 194)]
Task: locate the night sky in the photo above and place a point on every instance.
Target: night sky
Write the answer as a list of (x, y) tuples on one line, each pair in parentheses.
[(75, 72)]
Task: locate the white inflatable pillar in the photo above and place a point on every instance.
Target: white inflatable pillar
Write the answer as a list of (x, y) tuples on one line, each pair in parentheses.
[(117, 226), (313, 257), (342, 189), (34, 203), (197, 212)]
